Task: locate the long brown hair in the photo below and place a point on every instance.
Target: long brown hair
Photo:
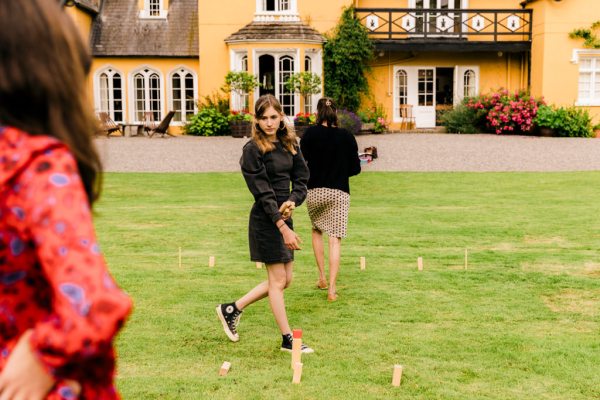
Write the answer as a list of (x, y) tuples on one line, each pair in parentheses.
[(285, 133), (43, 69), (327, 112)]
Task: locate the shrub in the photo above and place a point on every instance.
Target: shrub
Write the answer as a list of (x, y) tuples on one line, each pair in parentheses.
[(305, 118), (375, 115), (208, 122), (349, 121), (237, 116), (566, 122), (462, 119), (506, 113)]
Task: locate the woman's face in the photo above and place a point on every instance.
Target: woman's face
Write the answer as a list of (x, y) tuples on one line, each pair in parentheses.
[(269, 122)]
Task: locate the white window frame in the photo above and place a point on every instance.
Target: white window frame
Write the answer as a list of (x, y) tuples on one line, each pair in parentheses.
[(264, 15), (110, 72), (239, 62), (459, 81), (146, 13), (182, 70), (277, 54), (396, 92), (593, 70), (133, 97)]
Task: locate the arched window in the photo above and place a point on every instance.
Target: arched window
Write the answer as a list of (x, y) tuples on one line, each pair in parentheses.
[(109, 93), (401, 89), (307, 64), (147, 94), (469, 83), (244, 63), (286, 97), (183, 84)]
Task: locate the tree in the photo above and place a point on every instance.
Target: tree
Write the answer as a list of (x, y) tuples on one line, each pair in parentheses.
[(306, 84), (347, 54), (241, 83)]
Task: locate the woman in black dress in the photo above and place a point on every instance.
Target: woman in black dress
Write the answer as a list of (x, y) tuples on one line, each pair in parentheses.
[(271, 160), (332, 157)]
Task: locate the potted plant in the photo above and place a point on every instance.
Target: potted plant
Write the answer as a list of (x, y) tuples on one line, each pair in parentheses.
[(546, 120), (373, 120), (306, 84), (240, 123), (302, 121), (241, 83)]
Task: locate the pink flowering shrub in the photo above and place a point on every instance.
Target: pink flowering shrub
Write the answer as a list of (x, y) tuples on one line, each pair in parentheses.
[(504, 112)]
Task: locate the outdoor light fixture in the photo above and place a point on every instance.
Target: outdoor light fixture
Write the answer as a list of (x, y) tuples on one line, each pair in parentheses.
[(67, 3)]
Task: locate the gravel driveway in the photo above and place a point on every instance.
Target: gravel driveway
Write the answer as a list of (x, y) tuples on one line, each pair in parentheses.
[(397, 152)]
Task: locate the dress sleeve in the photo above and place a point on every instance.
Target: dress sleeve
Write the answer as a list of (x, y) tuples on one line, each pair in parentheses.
[(255, 174), (87, 308), (353, 160), (299, 177)]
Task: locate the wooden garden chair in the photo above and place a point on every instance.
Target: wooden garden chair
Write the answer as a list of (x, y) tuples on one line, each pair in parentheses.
[(407, 119), (162, 127), (107, 124)]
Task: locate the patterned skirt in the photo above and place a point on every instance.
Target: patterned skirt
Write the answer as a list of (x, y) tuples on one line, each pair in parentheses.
[(328, 210)]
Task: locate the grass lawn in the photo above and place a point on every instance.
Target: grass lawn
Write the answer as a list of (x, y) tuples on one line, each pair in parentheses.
[(522, 322)]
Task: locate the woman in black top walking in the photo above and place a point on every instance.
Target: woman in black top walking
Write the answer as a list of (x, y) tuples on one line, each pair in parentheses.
[(332, 157), (271, 160)]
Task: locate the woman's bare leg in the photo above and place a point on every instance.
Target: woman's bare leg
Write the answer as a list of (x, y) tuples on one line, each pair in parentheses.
[(319, 251), (259, 292), (335, 245), (278, 281)]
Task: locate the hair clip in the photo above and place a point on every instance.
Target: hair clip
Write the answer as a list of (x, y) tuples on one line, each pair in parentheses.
[(328, 103)]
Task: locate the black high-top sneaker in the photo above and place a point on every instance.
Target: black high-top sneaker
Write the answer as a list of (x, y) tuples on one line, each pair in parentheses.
[(286, 344), (230, 318)]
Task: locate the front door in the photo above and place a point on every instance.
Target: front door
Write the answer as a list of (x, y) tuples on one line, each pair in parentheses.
[(274, 70), (424, 109)]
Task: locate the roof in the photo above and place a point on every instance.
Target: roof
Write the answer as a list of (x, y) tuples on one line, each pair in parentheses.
[(119, 31), (91, 6), (276, 32)]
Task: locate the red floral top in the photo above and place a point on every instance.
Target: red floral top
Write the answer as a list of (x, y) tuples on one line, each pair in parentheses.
[(53, 278)]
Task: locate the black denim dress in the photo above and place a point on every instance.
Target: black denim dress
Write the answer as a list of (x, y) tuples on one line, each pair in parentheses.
[(273, 178)]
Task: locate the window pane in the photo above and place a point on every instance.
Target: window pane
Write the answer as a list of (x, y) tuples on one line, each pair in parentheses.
[(401, 81), (286, 98), (140, 96), (104, 93)]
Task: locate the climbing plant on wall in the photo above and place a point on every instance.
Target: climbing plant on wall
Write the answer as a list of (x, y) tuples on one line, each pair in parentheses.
[(588, 35), (347, 53)]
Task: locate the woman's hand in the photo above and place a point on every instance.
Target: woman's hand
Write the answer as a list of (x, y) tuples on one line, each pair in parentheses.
[(24, 377), (286, 209), (291, 240)]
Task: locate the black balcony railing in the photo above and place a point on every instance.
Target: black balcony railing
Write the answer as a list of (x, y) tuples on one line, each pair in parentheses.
[(474, 25)]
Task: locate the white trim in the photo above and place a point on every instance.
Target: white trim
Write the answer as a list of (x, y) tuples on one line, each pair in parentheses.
[(170, 98), (262, 15), (131, 89), (145, 12), (395, 103), (594, 71), (576, 54), (96, 90), (277, 53)]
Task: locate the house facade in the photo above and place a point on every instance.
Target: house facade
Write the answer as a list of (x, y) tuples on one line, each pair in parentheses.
[(161, 55)]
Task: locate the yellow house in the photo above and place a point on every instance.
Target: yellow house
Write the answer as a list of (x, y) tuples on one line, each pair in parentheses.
[(159, 55)]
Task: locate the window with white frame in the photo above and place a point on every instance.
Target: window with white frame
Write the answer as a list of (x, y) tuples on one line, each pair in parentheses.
[(183, 94), (276, 5), (401, 90), (589, 80), (153, 9), (109, 93), (469, 83), (286, 97), (147, 94), (308, 106)]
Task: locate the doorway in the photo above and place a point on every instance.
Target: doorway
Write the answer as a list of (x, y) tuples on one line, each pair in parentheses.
[(444, 92), (266, 68)]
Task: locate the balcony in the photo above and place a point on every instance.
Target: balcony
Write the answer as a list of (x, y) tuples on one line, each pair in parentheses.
[(473, 30)]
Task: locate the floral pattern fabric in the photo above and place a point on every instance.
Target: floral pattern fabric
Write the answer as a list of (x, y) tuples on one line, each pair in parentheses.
[(53, 278)]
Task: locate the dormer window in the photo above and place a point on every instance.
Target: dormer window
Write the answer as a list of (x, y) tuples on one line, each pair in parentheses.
[(276, 10), (154, 9), (276, 5)]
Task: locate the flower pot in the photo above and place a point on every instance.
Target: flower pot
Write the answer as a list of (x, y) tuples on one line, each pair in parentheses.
[(546, 132), (240, 129), (367, 126), (300, 128)]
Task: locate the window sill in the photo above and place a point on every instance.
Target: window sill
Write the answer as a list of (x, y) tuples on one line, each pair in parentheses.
[(588, 103), (144, 15)]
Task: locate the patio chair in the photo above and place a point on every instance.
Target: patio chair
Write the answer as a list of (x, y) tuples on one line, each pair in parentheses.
[(162, 127), (107, 124), (407, 121)]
